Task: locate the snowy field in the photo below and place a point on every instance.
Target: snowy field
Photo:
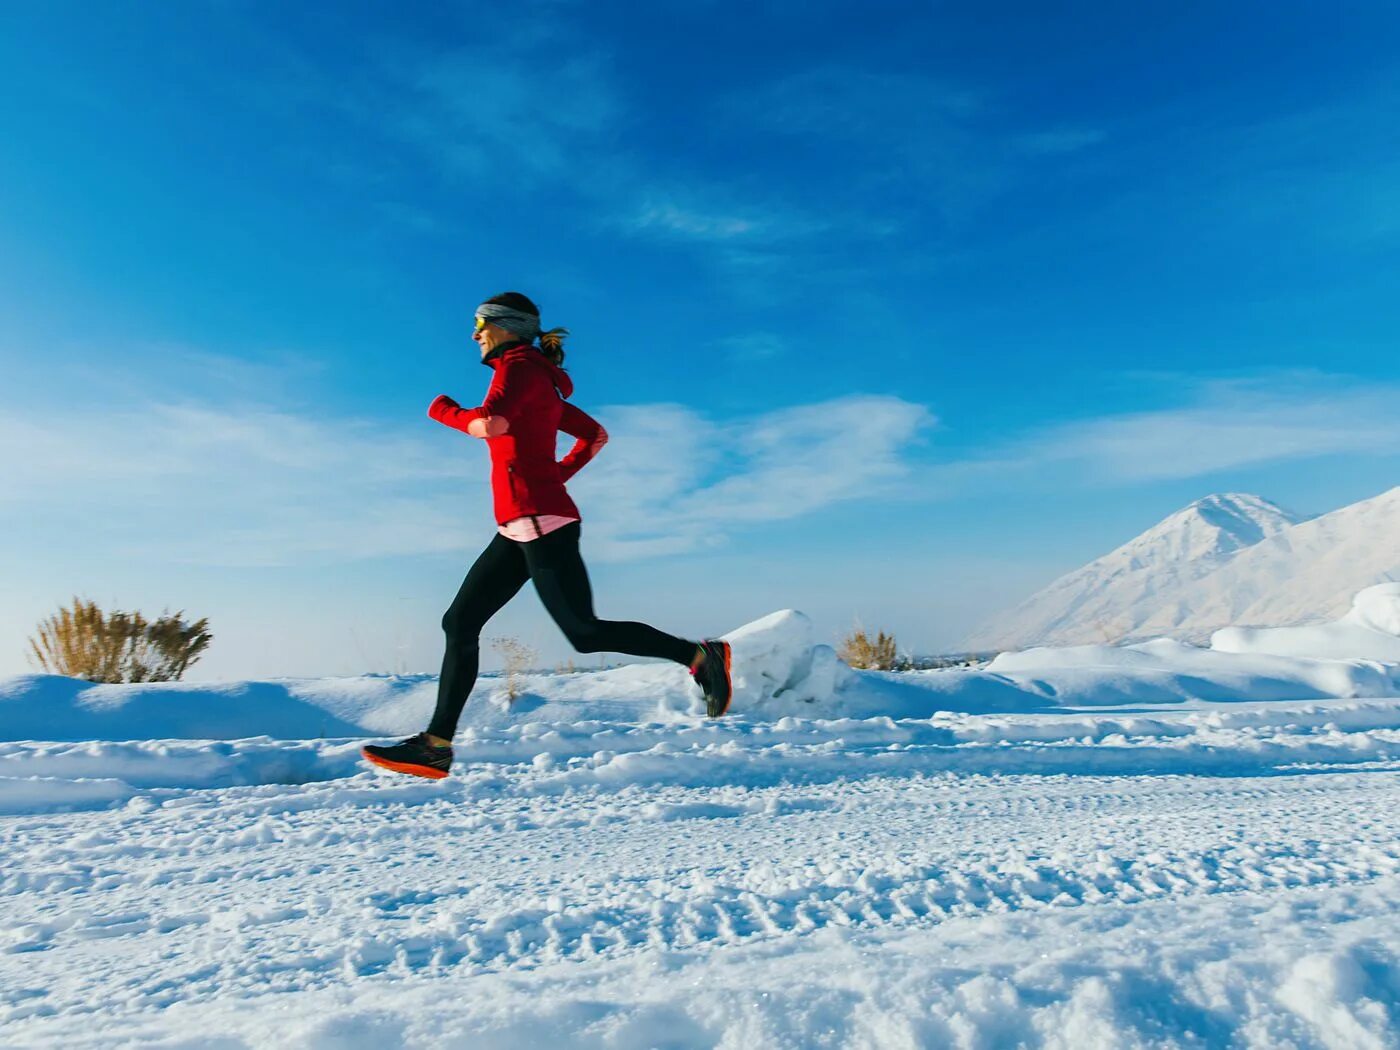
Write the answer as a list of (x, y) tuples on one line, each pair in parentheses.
[(1154, 845)]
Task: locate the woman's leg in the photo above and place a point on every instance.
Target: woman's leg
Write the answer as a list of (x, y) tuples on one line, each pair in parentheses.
[(562, 582), (499, 573)]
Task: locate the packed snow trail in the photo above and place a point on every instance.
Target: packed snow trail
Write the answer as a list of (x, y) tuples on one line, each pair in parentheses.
[(199, 898), (1152, 845)]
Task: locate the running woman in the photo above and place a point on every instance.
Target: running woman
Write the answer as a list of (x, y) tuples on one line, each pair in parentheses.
[(537, 537)]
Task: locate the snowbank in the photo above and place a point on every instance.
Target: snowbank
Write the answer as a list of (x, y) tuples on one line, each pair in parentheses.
[(550, 759), (779, 672), (1370, 631), (49, 707), (1164, 671)]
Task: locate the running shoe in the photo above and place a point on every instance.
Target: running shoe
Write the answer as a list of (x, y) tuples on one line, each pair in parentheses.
[(712, 676), (414, 756)]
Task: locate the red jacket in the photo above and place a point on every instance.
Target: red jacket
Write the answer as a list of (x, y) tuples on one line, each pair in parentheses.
[(528, 392)]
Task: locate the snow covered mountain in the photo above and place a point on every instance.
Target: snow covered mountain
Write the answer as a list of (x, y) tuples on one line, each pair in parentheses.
[(1302, 575), (1228, 559), (1112, 596)]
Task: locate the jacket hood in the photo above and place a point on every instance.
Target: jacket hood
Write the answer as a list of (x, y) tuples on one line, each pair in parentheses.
[(533, 354)]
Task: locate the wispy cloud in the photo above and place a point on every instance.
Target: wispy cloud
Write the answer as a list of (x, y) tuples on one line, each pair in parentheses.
[(496, 114), (833, 100), (739, 233), (669, 217), (544, 107), (189, 482), (917, 144), (1224, 425), (1059, 141), (753, 346), (778, 466)]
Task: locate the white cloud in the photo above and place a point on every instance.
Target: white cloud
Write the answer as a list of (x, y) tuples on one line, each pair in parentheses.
[(480, 113), (672, 218), (676, 481), (218, 485), (1227, 424), (193, 483)]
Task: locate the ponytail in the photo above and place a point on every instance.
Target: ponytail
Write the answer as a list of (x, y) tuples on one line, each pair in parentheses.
[(518, 314), (552, 344)]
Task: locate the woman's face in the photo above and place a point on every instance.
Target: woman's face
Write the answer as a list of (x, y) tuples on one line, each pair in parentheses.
[(490, 336)]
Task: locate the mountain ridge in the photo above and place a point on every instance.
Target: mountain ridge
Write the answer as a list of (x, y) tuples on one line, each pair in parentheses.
[(1226, 559)]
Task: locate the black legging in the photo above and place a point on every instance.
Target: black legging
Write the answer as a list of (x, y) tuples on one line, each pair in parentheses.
[(553, 562)]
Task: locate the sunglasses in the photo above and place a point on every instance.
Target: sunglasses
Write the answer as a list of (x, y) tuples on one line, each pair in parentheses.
[(481, 323)]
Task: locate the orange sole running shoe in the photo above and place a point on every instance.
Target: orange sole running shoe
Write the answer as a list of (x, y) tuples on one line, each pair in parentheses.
[(412, 770), (414, 756), (714, 677)]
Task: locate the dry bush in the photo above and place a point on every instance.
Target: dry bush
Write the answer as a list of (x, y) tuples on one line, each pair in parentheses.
[(859, 650), (82, 641), (517, 658)]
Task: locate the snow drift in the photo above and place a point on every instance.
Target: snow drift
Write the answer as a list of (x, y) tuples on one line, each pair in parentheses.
[(779, 672), (1370, 631)]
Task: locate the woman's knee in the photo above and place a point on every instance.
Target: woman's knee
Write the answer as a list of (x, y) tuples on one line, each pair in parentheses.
[(459, 628), (586, 637)]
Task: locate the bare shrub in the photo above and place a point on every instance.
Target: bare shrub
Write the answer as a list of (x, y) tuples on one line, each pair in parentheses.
[(517, 658), (82, 641), (859, 649)]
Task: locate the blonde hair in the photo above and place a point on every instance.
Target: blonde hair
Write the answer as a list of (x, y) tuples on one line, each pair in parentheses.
[(552, 344)]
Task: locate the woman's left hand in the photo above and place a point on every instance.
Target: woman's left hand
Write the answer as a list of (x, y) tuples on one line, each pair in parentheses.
[(441, 404)]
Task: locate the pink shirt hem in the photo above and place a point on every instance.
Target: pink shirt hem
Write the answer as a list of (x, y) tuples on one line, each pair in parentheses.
[(533, 526)]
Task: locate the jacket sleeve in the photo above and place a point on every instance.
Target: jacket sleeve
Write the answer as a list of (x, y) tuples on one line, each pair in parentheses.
[(503, 400), (590, 434), (450, 414)]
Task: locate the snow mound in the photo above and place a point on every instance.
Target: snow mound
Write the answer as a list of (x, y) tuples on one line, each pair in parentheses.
[(50, 707), (777, 670), (779, 673), (1370, 631), (1378, 608), (1165, 671)]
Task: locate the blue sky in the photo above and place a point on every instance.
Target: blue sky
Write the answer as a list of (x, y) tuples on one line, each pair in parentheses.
[(894, 311)]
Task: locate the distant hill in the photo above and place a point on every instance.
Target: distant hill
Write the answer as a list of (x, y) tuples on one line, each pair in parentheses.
[(1228, 559)]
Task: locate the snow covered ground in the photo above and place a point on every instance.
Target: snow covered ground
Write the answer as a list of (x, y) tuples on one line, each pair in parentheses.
[(1094, 847)]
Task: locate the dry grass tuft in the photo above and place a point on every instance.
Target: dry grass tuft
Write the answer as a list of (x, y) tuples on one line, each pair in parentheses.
[(861, 651), (82, 641), (517, 658)]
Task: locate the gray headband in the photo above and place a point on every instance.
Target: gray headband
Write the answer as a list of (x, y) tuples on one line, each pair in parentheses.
[(517, 322)]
